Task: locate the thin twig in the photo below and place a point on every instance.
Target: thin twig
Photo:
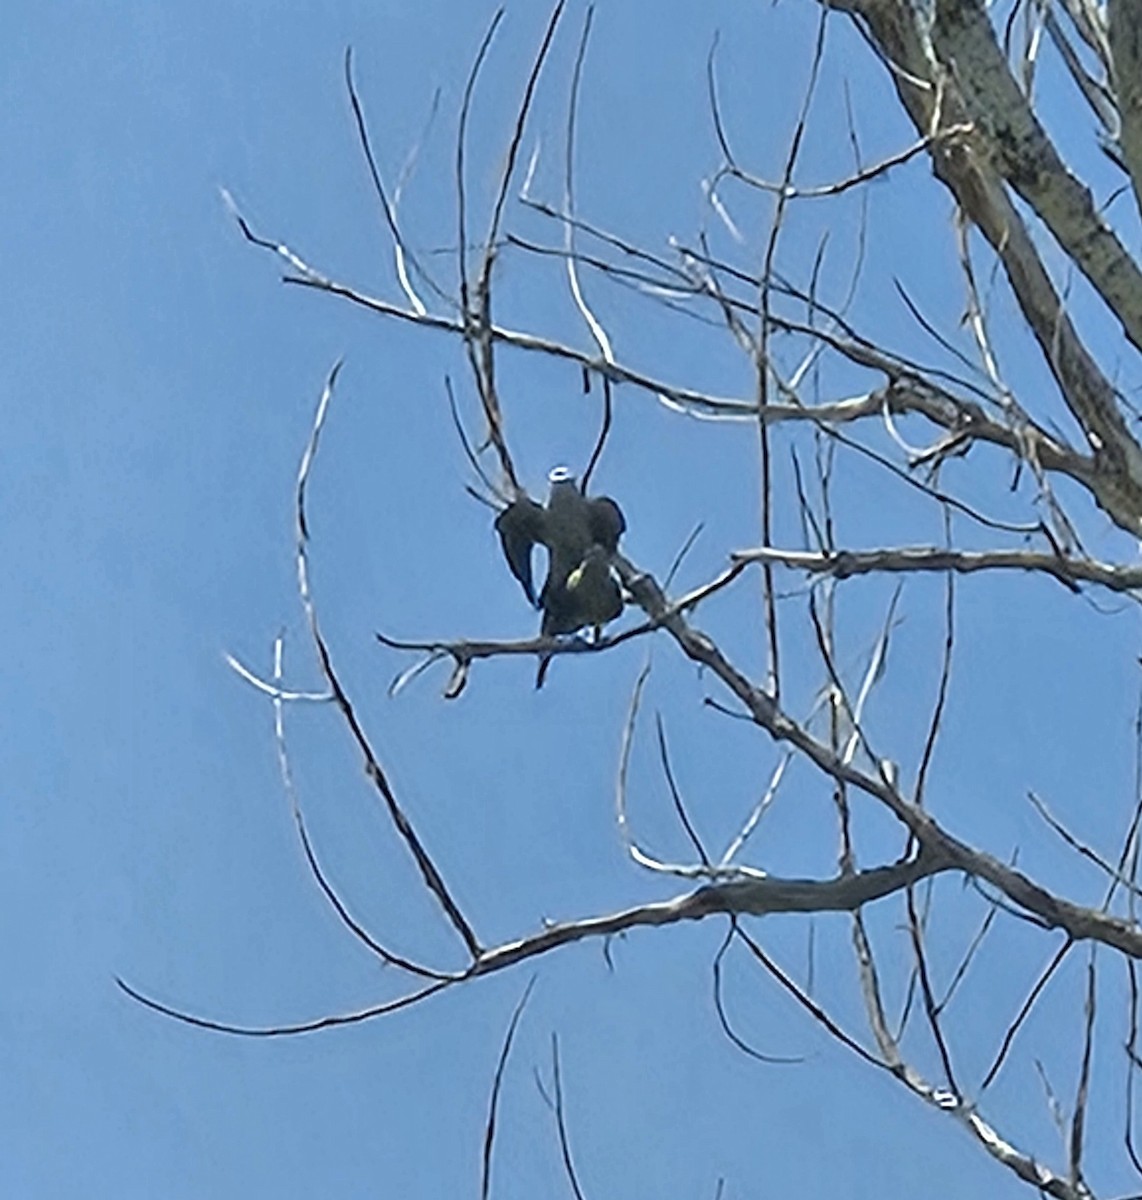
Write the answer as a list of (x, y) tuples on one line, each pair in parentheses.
[(432, 878), (497, 1081), (561, 1120), (945, 676), (388, 209), (1078, 1119), (1024, 1012), (675, 794), (461, 147), (723, 1017)]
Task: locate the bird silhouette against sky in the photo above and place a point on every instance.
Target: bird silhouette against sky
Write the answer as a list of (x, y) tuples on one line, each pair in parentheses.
[(580, 534)]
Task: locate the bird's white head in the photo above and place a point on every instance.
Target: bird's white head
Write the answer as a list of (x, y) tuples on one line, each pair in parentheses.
[(563, 485)]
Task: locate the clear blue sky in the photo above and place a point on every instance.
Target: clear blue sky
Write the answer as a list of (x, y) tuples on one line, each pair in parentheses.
[(158, 384)]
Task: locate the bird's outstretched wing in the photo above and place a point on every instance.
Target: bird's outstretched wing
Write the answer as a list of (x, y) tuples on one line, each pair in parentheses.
[(521, 526), (606, 522)]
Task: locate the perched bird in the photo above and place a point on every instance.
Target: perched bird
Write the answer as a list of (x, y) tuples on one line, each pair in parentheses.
[(568, 527), (580, 535)]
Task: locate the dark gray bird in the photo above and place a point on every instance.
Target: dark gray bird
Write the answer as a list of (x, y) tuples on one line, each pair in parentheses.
[(580, 535), (568, 527)]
